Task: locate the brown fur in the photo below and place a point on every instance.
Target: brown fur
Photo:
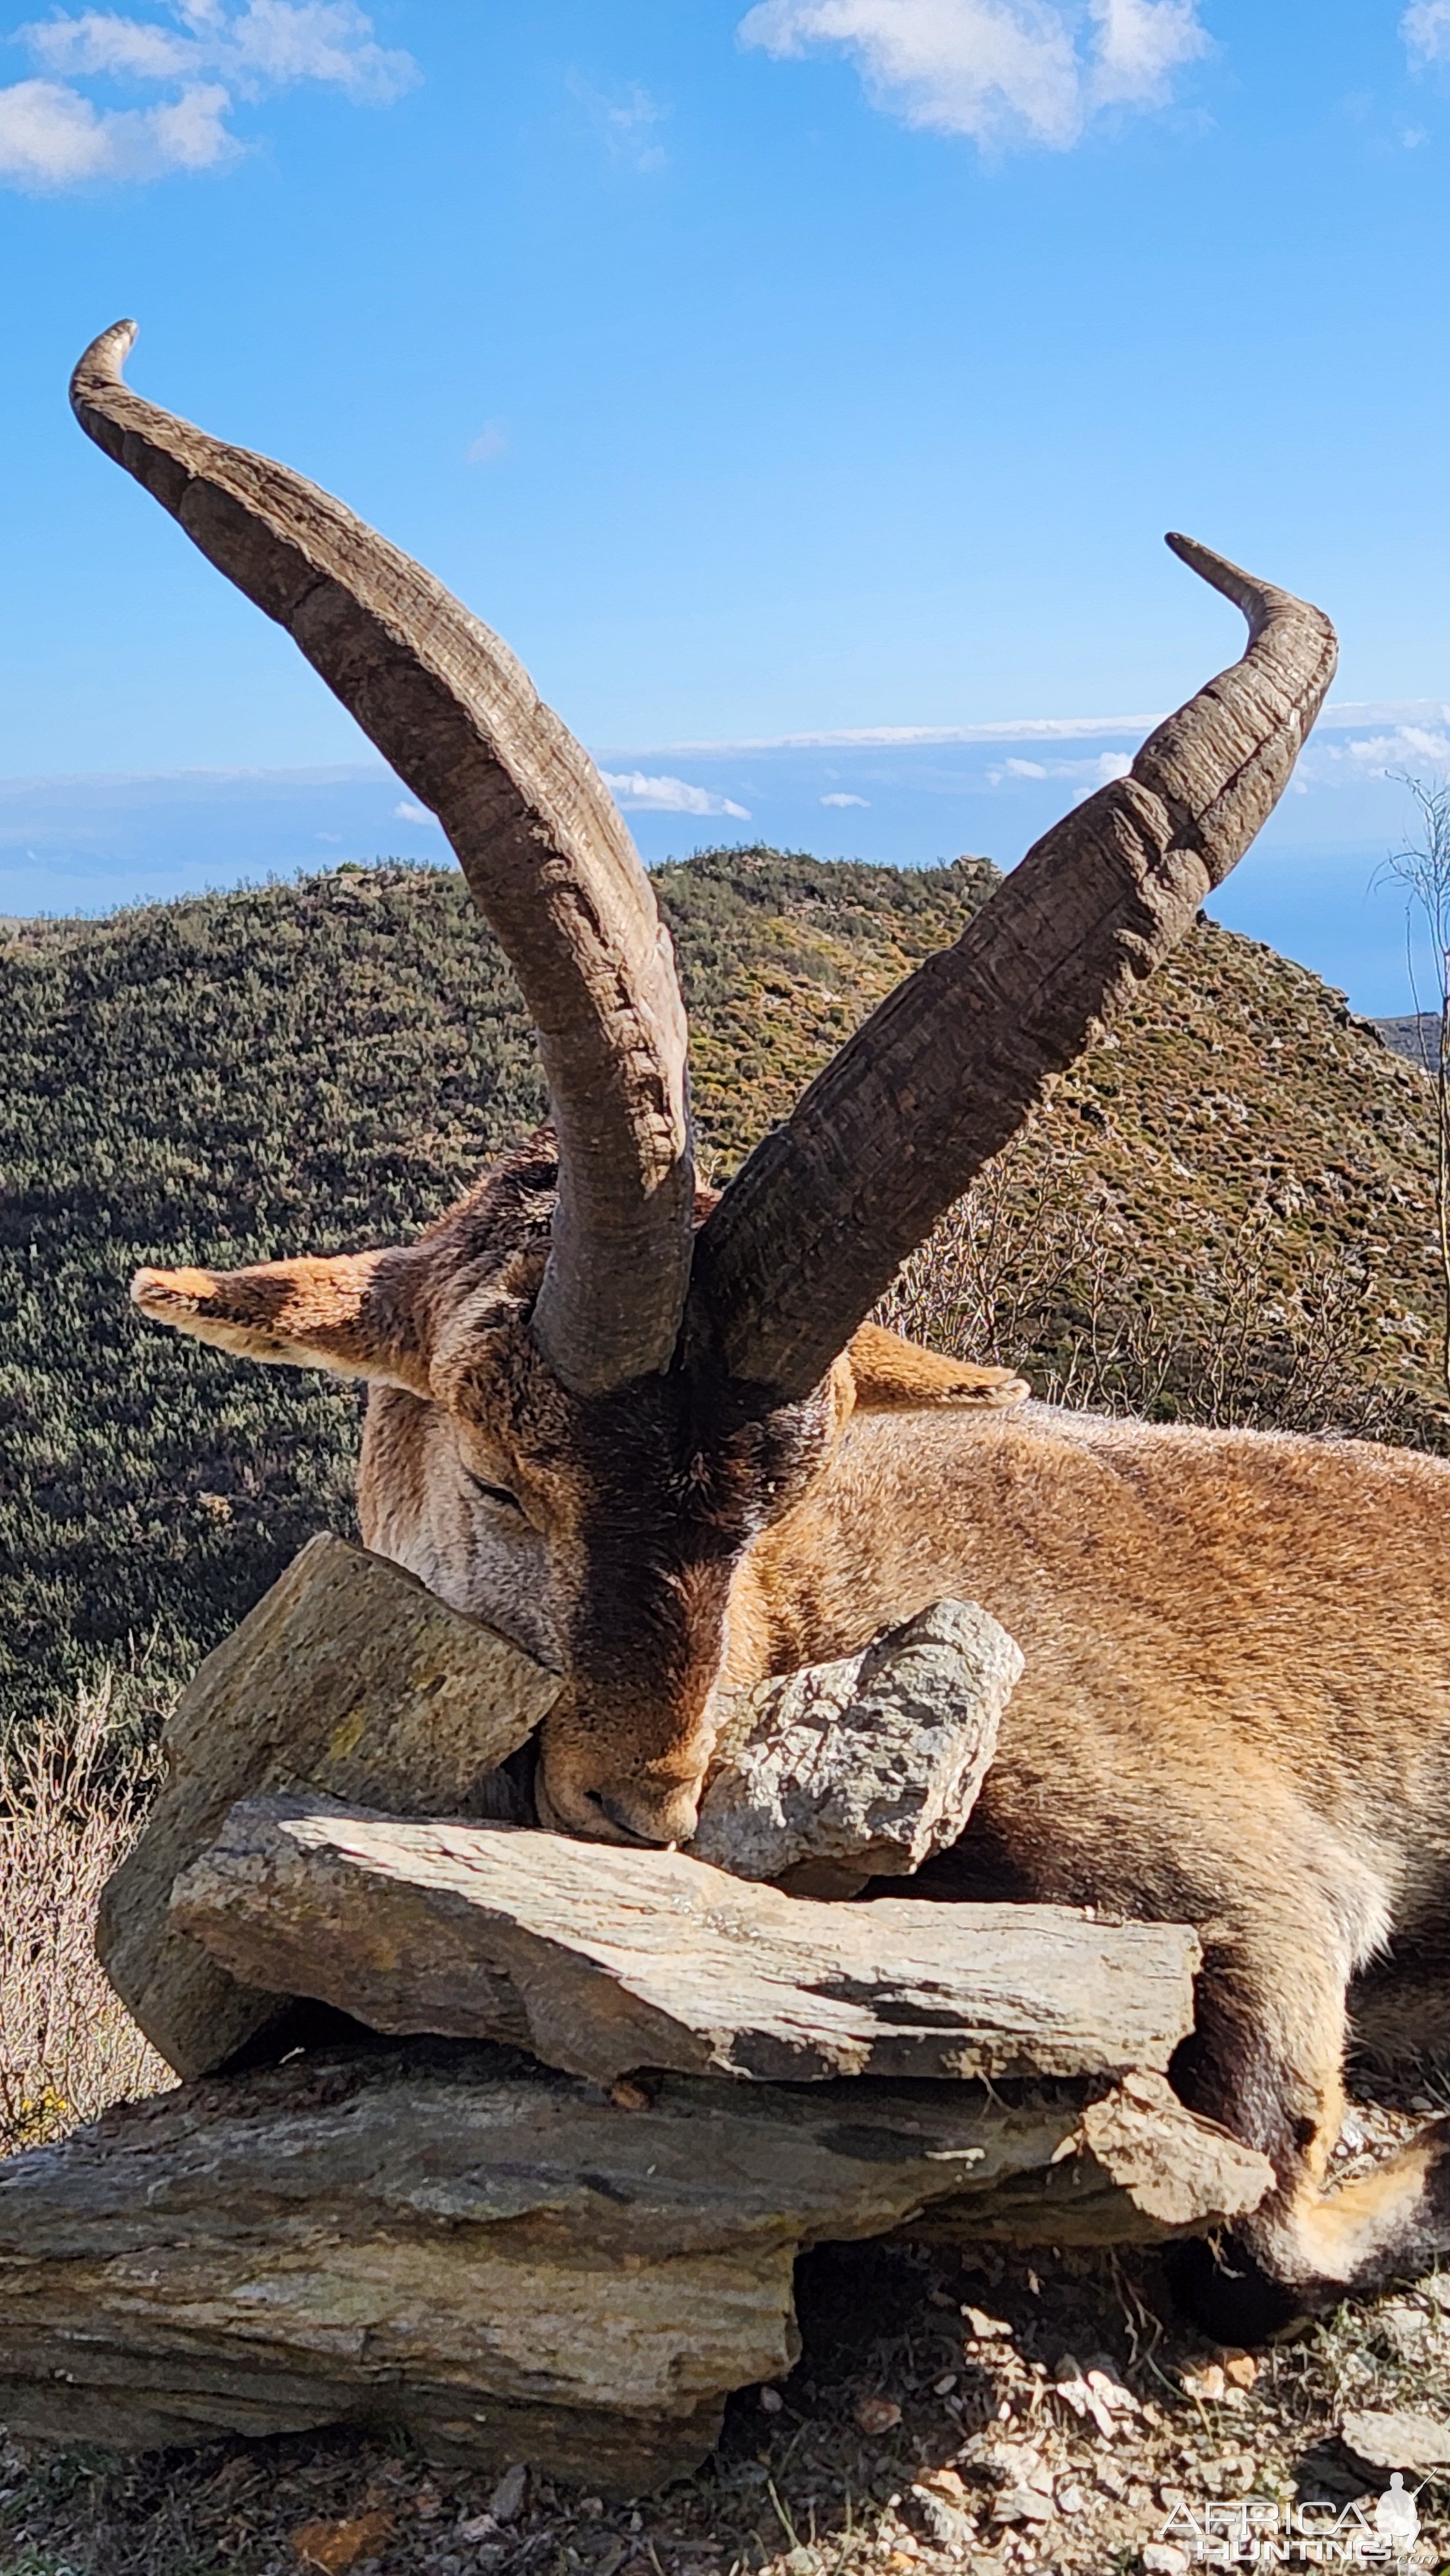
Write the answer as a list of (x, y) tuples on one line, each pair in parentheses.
[(1235, 1711), (1236, 1702)]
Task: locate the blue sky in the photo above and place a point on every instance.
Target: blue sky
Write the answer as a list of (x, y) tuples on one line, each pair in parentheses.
[(817, 369)]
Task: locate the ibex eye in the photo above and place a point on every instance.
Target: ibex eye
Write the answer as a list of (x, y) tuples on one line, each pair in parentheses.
[(493, 1493)]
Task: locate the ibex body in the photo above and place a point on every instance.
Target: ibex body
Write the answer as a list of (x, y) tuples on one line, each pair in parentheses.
[(652, 1436)]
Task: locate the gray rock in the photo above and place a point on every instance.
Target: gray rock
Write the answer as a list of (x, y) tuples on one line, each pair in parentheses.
[(875, 1761), (602, 1959), (506, 2264), (348, 1675), (1416, 2443), (351, 1678)]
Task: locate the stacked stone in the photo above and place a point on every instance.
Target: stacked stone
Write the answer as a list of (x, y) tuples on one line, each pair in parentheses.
[(513, 2142)]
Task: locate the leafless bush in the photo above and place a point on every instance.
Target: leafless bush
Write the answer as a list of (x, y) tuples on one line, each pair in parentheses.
[(999, 1263), (71, 1804), (1422, 868), (1034, 1269)]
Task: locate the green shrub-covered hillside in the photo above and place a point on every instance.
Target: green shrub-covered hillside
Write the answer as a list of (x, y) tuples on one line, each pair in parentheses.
[(325, 1064)]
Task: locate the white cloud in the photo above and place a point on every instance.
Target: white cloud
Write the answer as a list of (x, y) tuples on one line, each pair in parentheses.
[(997, 70), (52, 136), (907, 737), (1407, 741), (839, 799), (408, 812), (1099, 771), (627, 123), (261, 45), (1347, 715), (1376, 753), (95, 43), (281, 41), (491, 443), (1139, 45), (641, 795), (208, 52), (1341, 716), (1425, 28)]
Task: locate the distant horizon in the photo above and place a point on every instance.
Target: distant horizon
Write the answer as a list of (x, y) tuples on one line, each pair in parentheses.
[(1406, 1014), (1337, 715), (80, 845)]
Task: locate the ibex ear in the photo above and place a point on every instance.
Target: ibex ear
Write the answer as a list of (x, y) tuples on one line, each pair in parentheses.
[(890, 1373), (356, 1314)]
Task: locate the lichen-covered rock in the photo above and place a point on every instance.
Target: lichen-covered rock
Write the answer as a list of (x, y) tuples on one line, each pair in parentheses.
[(601, 1958), (350, 1675), (874, 1761), (503, 2263)]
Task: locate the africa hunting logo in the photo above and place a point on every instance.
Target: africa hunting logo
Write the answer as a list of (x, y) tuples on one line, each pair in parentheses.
[(1256, 2532)]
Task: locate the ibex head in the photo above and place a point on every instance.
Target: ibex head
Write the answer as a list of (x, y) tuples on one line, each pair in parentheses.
[(610, 1385)]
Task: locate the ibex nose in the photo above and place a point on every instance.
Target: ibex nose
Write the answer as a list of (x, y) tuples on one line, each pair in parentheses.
[(636, 1811), (650, 1821)]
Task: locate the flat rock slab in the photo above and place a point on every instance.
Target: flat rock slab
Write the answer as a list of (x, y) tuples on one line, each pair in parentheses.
[(504, 2263), (601, 1960), (349, 1675), (1418, 2444), (1163, 2160), (873, 1762)]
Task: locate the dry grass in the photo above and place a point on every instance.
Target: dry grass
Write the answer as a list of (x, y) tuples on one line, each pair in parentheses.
[(1038, 1268), (72, 1798)]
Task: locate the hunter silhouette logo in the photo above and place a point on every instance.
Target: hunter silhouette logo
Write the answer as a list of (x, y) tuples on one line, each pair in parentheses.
[(1397, 2515)]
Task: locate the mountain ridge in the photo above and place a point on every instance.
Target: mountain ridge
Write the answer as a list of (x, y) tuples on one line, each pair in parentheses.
[(325, 1064)]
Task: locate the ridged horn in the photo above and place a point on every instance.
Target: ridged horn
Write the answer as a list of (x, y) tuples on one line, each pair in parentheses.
[(544, 849), (953, 1063)]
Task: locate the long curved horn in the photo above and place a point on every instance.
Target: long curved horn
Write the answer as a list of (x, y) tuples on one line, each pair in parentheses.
[(952, 1064), (543, 848)]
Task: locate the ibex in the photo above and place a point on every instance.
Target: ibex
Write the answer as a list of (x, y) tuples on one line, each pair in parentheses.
[(651, 1435)]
